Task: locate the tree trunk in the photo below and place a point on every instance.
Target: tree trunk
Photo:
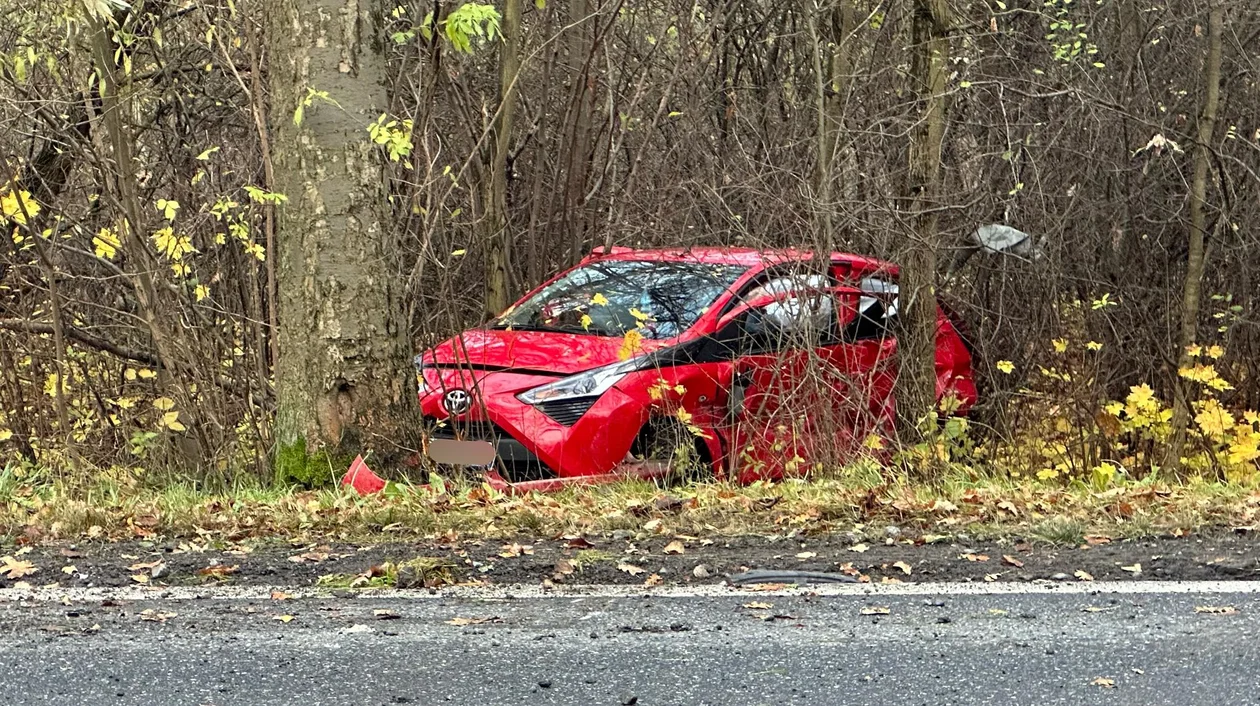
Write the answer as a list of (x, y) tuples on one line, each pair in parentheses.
[(1195, 259), (343, 381), (832, 76), (499, 257), (916, 380)]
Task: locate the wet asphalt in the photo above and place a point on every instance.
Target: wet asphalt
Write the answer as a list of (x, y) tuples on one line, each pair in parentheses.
[(729, 649)]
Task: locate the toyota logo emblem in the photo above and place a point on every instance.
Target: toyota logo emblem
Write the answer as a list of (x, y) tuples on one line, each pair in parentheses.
[(457, 402)]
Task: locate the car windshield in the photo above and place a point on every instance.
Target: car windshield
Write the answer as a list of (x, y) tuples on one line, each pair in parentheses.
[(614, 297)]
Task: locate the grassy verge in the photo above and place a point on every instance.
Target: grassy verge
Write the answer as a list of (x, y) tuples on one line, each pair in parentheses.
[(34, 510)]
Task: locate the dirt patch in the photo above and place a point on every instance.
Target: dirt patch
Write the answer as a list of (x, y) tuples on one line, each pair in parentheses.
[(650, 559)]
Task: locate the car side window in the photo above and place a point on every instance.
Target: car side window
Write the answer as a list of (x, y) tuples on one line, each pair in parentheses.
[(876, 311), (799, 322)]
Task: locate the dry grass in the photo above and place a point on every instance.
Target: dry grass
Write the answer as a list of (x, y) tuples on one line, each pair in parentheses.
[(35, 510)]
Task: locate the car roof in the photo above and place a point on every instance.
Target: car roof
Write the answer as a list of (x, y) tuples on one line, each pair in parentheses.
[(747, 257)]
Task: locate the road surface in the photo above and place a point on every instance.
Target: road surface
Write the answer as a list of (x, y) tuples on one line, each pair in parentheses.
[(1103, 643)]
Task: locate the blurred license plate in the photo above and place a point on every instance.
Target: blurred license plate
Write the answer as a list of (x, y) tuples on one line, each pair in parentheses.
[(478, 455)]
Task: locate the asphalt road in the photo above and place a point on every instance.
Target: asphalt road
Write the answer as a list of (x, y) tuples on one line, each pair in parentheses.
[(1145, 644)]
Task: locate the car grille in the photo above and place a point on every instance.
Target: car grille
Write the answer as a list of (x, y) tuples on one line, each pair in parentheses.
[(567, 412)]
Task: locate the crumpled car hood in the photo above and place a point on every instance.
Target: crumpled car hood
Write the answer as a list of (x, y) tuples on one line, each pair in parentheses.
[(542, 351)]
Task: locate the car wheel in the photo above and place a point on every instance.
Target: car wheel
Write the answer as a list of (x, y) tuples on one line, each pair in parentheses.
[(664, 440)]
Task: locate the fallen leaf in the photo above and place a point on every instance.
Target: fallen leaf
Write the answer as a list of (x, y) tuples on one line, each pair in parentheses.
[(674, 547), (934, 538), (140, 578), (16, 569), (218, 571), (1094, 540), (653, 580), (71, 553), (1216, 610), (992, 577), (382, 614), (515, 550), (974, 557), (631, 569), (564, 567), (1134, 569), (69, 569), (153, 616), (905, 568), (759, 605), (460, 622), (313, 557), (357, 628), (859, 548), (889, 579), (1104, 683), (283, 618), (1083, 575), (652, 525), (146, 566), (806, 555), (1012, 561), (1096, 609), (765, 586), (875, 610), (280, 596), (578, 543)]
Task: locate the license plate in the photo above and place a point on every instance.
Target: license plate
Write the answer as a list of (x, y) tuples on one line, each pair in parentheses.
[(478, 455)]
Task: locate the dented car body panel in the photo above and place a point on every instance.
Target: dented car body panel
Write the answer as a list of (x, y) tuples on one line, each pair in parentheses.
[(763, 363)]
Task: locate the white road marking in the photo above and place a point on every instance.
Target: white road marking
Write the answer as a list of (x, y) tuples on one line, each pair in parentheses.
[(505, 592)]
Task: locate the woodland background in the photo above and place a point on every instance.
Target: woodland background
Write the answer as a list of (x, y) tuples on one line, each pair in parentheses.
[(227, 226)]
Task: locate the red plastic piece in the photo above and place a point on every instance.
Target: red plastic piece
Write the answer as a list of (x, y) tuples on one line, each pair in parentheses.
[(362, 479)]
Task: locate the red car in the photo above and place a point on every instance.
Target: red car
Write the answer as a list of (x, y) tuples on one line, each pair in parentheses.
[(735, 363)]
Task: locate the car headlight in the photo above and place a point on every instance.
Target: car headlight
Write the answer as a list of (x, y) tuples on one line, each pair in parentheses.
[(591, 383)]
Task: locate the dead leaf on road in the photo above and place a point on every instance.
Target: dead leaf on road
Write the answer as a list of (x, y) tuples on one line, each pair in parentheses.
[(280, 596), (974, 557), (806, 555), (315, 557), (16, 569), (1094, 540), (140, 578), (578, 542), (1104, 683), (674, 547), (1134, 569), (905, 568), (875, 610), (382, 614), (631, 569), (859, 548), (515, 550), (653, 580), (145, 566), (283, 618), (1012, 561), (69, 569), (764, 587), (759, 605), (1083, 575), (154, 616), (1216, 609), (461, 622), (218, 571), (564, 567)]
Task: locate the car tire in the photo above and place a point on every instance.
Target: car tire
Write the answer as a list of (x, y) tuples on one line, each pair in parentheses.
[(664, 439)]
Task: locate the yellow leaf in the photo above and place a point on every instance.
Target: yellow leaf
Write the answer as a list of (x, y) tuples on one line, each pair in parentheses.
[(146, 374), (905, 568), (201, 292), (586, 321), (15, 568), (459, 252), (1094, 346), (599, 300), (674, 547), (17, 206), (283, 618), (5, 434), (164, 404), (1006, 366), (170, 420), (1060, 345), (106, 244), (631, 345)]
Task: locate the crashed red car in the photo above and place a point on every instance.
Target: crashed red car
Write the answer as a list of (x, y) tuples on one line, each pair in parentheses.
[(735, 363)]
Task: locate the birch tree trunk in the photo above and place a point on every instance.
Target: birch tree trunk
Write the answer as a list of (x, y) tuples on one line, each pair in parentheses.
[(343, 378)]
